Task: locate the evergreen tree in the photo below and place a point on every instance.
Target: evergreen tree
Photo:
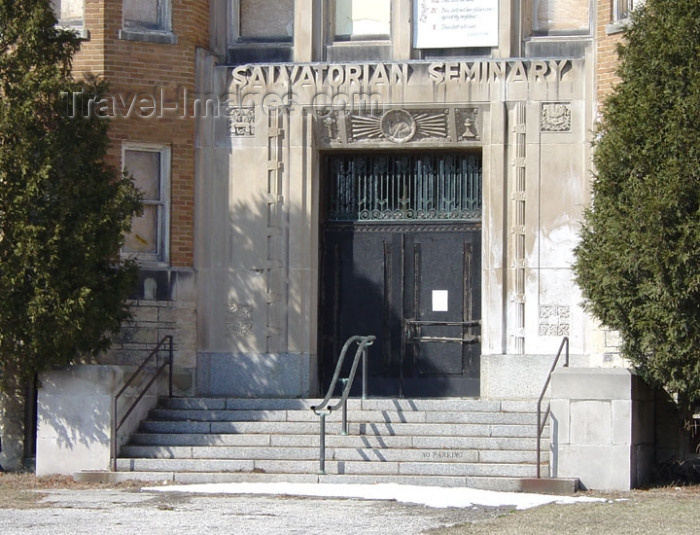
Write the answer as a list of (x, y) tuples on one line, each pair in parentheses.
[(63, 210), (638, 262)]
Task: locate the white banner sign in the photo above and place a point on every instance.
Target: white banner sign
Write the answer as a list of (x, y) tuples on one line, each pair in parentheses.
[(455, 23)]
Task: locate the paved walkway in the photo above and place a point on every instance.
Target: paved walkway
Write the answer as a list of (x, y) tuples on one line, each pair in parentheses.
[(248, 510), (117, 512)]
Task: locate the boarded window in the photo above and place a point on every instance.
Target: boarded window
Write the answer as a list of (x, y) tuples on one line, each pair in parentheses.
[(622, 8), (147, 15), (69, 12), (149, 169), (561, 16), (362, 18), (262, 19)]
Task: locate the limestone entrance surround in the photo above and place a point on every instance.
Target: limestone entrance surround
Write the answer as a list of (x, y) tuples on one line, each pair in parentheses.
[(258, 204)]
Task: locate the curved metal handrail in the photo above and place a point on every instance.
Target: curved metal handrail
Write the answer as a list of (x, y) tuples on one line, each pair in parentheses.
[(542, 421), (362, 343), (324, 408)]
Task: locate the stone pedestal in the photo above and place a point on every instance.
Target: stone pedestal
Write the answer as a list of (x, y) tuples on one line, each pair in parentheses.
[(75, 415), (602, 428)]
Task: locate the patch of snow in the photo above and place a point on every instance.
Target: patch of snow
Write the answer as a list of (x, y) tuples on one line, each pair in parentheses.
[(437, 497)]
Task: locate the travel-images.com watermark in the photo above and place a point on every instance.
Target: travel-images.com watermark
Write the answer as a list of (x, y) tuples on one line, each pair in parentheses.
[(161, 103)]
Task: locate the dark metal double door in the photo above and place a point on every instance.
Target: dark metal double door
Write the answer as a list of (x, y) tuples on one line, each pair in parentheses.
[(375, 276)]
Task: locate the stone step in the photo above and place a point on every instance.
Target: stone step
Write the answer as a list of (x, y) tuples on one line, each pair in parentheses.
[(332, 453), (388, 416), (448, 442), (547, 485), (405, 405), (396, 469), (503, 484), (312, 428), (332, 440)]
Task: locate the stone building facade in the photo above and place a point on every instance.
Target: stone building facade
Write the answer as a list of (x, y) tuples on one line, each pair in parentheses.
[(314, 169), (292, 275), (236, 117)]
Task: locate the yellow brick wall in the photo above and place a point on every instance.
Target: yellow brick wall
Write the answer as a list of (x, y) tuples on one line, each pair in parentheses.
[(136, 67), (606, 50)]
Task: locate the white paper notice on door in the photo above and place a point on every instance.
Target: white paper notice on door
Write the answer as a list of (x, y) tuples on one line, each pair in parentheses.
[(440, 300)]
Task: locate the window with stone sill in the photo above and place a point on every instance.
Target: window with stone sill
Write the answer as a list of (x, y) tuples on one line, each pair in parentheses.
[(361, 20), (561, 17), (147, 20), (149, 165), (620, 14), (261, 21), (621, 9)]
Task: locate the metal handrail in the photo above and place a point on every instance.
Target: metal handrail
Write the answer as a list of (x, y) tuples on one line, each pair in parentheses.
[(540, 421), (324, 408), (117, 422), (413, 331)]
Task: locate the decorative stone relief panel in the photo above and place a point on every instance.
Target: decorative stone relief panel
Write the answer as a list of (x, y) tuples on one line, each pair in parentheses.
[(329, 127), (519, 200), (400, 126), (409, 228), (239, 320), (467, 124), (240, 122), (274, 268), (555, 320), (555, 117)]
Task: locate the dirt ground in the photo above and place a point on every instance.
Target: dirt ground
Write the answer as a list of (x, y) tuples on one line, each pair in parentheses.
[(24, 491), (667, 510)]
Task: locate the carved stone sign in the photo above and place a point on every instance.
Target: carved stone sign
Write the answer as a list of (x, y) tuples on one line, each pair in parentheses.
[(367, 76), (445, 455)]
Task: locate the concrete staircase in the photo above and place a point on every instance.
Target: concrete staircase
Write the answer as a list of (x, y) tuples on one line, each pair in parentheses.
[(449, 442)]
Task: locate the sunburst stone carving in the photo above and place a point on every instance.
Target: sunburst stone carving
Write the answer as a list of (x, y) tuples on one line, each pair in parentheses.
[(399, 126)]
